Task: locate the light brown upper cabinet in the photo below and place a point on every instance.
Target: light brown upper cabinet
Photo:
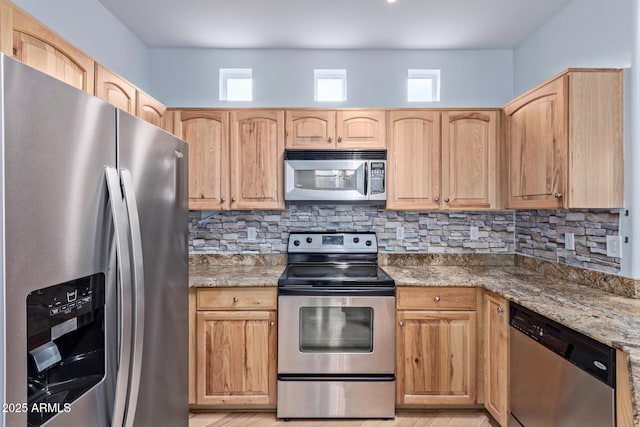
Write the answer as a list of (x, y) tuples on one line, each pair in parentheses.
[(29, 41), (470, 160), (564, 142), (256, 153), (207, 133), (413, 160), (150, 109), (115, 90), (329, 129)]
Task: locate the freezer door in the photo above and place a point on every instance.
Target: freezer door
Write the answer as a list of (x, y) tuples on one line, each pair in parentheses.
[(155, 164), (56, 223)]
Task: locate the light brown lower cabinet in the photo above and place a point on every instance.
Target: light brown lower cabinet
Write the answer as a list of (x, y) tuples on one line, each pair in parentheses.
[(235, 347), (496, 357), (436, 349)]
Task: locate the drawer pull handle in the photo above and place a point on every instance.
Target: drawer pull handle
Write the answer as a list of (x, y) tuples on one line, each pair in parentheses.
[(235, 299), (436, 299)]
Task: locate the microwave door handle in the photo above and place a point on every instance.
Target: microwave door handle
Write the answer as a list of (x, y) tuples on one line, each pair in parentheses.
[(366, 178)]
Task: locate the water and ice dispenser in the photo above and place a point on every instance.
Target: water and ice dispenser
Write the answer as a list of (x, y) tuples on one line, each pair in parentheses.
[(65, 345)]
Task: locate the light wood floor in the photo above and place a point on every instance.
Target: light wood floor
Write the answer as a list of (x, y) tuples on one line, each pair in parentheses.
[(469, 418)]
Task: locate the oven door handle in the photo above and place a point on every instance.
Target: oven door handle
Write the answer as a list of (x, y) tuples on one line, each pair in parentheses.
[(387, 291)]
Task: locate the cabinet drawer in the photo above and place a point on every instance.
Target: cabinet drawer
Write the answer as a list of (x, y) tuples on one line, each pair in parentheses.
[(237, 299), (436, 298)]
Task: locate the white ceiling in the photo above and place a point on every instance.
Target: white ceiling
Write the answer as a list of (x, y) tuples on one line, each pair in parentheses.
[(334, 24)]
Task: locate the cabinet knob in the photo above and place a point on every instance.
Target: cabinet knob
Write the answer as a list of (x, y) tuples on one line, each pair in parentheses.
[(437, 199), (557, 195), (446, 200), (233, 199), (436, 299), (222, 199), (401, 324), (330, 140), (272, 324), (235, 299), (500, 310), (339, 139)]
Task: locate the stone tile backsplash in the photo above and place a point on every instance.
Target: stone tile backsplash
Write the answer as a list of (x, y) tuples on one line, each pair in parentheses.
[(541, 234), (424, 232), (536, 233)]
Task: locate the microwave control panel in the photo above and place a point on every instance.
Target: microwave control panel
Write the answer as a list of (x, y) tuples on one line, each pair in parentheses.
[(377, 177)]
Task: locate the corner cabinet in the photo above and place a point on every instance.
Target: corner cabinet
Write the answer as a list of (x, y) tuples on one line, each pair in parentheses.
[(564, 142), (235, 347), (436, 346), (496, 357), (329, 129)]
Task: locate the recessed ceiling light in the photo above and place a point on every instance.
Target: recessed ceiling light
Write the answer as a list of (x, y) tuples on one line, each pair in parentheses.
[(391, 1)]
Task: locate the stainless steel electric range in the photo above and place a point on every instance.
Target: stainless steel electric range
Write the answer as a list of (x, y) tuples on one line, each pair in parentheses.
[(336, 335)]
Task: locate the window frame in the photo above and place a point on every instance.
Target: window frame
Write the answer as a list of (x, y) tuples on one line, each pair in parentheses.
[(226, 74), (329, 74), (434, 75)]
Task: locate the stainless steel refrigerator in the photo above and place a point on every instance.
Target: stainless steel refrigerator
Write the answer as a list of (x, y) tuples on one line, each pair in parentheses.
[(93, 261)]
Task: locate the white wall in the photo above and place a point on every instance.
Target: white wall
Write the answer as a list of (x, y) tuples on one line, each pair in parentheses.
[(595, 33), (88, 25), (586, 33), (375, 78)]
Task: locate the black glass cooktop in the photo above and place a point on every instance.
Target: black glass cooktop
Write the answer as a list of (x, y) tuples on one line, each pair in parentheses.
[(334, 276)]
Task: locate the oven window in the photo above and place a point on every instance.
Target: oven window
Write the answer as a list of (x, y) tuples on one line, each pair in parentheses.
[(336, 329), (325, 179)]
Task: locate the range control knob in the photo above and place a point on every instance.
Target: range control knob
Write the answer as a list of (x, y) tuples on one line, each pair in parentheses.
[(309, 240), (356, 239), (296, 243), (368, 243)]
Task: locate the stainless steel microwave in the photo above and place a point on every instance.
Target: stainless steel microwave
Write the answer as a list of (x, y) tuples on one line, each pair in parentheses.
[(336, 176)]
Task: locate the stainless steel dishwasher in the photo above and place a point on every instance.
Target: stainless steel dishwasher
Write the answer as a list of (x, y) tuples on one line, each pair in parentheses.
[(559, 377)]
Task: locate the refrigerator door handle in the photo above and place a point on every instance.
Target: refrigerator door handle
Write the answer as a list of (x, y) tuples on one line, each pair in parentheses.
[(138, 291), (124, 294)]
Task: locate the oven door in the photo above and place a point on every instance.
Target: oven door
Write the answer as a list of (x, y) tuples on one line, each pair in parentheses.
[(339, 180), (336, 335)]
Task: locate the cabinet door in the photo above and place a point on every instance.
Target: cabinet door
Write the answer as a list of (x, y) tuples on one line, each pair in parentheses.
[(436, 357), (206, 132), (536, 138), (150, 110), (115, 90), (469, 160), (37, 46), (310, 129), (257, 147), (413, 160), (236, 360), (360, 129), (496, 357)]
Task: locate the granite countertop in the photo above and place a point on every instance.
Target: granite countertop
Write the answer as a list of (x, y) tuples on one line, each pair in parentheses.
[(226, 276), (606, 317)]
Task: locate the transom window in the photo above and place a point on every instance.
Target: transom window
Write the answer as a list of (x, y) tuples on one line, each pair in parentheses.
[(330, 85), (423, 85), (236, 84)]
